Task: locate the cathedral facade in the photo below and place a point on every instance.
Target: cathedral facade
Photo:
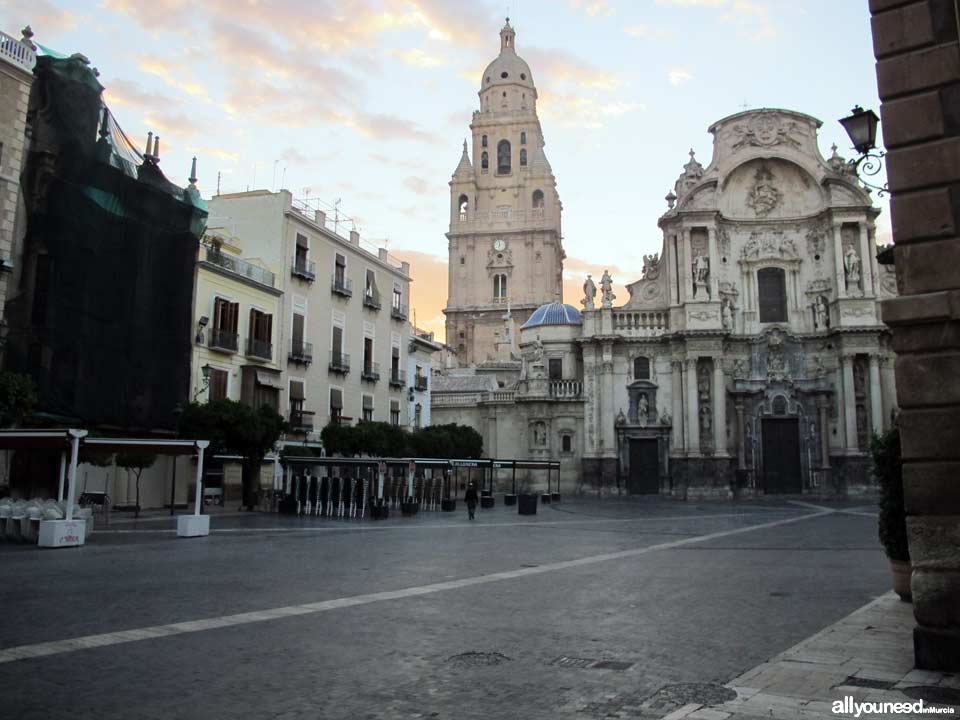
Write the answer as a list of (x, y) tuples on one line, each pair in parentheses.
[(749, 358)]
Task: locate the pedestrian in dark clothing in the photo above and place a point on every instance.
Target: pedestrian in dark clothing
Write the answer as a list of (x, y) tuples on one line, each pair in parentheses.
[(471, 499)]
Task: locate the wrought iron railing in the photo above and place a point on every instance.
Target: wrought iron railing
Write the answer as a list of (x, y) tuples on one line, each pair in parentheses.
[(304, 269), (398, 378), (224, 340), (259, 349), (339, 362), (240, 267), (371, 371), (341, 285), (300, 352)]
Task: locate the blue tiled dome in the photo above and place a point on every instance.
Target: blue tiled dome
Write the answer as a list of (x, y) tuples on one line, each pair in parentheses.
[(554, 313)]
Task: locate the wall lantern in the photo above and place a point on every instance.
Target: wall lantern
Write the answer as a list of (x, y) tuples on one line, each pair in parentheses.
[(861, 128)]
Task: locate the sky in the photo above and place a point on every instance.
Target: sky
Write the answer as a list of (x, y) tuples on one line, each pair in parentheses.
[(369, 101)]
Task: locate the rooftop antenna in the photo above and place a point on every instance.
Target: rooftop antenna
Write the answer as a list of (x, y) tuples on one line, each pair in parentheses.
[(283, 177), (745, 106), (336, 214), (218, 182)]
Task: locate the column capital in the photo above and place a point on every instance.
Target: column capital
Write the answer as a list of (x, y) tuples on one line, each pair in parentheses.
[(691, 361)]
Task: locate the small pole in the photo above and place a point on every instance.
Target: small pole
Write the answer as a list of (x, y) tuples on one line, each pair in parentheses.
[(173, 486), (75, 436), (198, 495), (514, 464), (63, 472)]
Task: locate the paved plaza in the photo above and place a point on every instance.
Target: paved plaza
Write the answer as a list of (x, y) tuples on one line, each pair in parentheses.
[(590, 609)]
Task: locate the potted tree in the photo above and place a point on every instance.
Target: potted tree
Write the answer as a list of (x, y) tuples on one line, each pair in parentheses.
[(136, 462), (527, 498), (888, 470)]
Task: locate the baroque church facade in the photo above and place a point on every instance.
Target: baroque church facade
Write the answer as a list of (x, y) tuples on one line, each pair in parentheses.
[(748, 359)]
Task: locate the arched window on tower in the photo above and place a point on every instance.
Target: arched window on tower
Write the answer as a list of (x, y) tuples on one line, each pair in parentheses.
[(523, 137), (503, 157), (483, 141), (523, 157), (464, 204), (641, 368), (499, 286), (538, 199), (484, 161)]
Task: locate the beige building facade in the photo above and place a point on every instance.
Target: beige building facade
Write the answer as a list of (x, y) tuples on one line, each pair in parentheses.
[(342, 336), (504, 243)]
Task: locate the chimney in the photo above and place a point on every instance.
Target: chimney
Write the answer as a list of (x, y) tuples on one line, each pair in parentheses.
[(320, 218), (405, 268), (382, 254), (355, 238)]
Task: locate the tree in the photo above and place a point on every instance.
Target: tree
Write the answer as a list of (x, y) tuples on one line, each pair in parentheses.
[(236, 428), (18, 396), (137, 462)]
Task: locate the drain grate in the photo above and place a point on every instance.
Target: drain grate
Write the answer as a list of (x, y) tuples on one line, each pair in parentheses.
[(573, 662), (852, 681), (673, 696), (478, 659), (933, 694), (611, 665)]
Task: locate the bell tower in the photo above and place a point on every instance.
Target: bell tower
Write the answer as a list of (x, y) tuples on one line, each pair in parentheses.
[(505, 244)]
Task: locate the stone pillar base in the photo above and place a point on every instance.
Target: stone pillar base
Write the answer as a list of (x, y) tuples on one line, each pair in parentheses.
[(936, 649)]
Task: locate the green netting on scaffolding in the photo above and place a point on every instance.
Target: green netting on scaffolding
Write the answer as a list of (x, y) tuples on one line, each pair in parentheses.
[(102, 313)]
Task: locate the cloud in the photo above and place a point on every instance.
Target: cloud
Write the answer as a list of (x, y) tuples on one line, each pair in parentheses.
[(592, 8), (44, 18), (418, 185), (428, 290), (560, 67), (217, 152), (692, 3), (753, 20), (636, 30), (415, 57), (678, 76), (170, 72), (574, 110), (293, 156)]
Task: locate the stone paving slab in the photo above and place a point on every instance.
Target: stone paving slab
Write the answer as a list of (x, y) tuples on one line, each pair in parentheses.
[(872, 644)]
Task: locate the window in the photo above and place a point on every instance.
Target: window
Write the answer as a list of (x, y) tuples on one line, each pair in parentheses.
[(296, 334), (523, 157), (523, 137), (395, 363), (300, 260), (394, 412), (340, 271), (337, 345), (218, 385), (463, 260), (225, 320), (417, 415), (464, 204), (566, 444), (503, 157), (641, 368), (367, 355), (499, 285), (370, 293), (260, 334), (367, 408), (336, 406), (538, 198), (555, 369), (296, 402), (483, 141), (397, 298), (772, 292), (484, 161)]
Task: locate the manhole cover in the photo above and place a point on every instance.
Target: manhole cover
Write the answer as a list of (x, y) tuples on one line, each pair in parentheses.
[(674, 696), (478, 659), (866, 683), (933, 694), (573, 662), (612, 665)]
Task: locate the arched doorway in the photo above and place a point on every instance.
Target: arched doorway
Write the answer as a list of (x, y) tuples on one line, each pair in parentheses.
[(780, 435)]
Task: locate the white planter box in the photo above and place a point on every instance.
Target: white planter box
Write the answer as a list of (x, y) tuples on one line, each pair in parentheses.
[(62, 533), (193, 525)]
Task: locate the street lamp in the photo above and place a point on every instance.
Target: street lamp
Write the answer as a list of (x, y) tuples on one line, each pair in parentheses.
[(861, 128), (206, 381)]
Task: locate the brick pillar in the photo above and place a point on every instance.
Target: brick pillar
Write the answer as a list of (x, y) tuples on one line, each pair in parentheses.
[(918, 77)]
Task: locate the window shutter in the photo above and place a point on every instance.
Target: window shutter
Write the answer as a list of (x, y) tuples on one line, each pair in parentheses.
[(368, 402), (296, 390), (297, 329), (336, 399)]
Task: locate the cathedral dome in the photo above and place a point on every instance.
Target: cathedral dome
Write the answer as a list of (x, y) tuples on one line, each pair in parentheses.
[(554, 313), (508, 68)]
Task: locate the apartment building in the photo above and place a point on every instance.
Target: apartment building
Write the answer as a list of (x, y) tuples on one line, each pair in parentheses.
[(422, 348), (342, 334)]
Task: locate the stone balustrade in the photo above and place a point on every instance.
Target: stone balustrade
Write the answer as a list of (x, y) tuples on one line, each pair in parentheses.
[(566, 389), (637, 323), (17, 53)]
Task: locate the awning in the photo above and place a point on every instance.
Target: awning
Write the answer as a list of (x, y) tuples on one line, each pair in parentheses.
[(336, 399), (270, 380), (368, 402), (296, 390)]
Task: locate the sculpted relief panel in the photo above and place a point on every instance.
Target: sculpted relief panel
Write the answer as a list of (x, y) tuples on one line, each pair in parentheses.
[(767, 189)]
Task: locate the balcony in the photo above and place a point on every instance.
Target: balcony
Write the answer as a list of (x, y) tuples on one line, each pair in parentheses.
[(339, 362), (224, 340), (340, 285), (260, 349), (17, 52), (300, 352), (398, 311), (371, 299), (420, 383), (303, 269), (240, 267), (370, 372), (301, 421), (398, 378), (566, 389)]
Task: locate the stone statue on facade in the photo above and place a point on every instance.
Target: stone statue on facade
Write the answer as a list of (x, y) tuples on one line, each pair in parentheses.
[(643, 410), (606, 288), (705, 421), (726, 314), (651, 267), (851, 263), (821, 317), (589, 293)]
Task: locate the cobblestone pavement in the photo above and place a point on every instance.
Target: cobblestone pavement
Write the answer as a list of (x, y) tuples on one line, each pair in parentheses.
[(590, 609)]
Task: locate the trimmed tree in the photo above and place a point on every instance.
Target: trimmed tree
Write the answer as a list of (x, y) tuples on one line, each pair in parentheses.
[(18, 396), (136, 462), (235, 428)]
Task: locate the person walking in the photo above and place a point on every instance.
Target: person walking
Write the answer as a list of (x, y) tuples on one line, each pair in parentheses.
[(471, 499)]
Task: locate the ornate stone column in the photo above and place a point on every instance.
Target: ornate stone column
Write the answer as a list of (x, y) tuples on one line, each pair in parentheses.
[(849, 405), (714, 263), (719, 409), (607, 410), (841, 275), (868, 261), (741, 438), (693, 419), (876, 396), (676, 397), (824, 433), (686, 267)]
